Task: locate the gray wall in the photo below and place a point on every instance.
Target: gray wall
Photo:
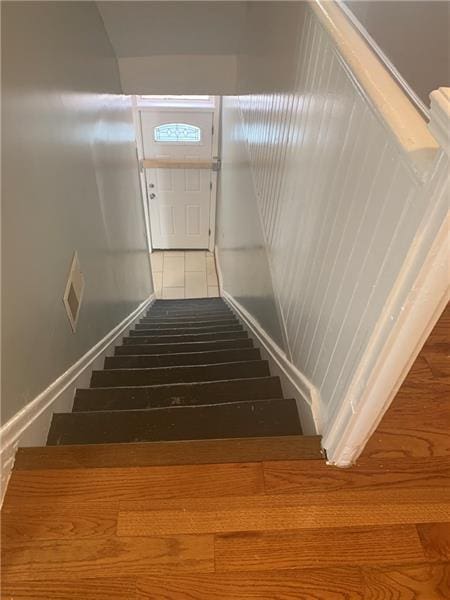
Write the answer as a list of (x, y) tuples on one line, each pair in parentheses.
[(69, 183), (415, 35), (149, 28), (175, 47)]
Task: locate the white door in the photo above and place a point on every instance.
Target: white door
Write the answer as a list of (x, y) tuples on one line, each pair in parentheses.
[(179, 198)]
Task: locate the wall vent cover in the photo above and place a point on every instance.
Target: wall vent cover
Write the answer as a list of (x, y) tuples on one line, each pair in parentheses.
[(74, 292)]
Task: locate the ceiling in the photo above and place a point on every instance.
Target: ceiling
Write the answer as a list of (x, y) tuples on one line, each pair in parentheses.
[(138, 29)]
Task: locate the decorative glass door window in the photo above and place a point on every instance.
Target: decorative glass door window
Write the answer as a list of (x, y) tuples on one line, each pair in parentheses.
[(177, 132)]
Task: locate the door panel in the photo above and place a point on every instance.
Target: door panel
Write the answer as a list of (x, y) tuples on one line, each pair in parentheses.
[(179, 199)]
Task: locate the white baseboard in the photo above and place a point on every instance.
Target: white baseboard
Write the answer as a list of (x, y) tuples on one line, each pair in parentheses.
[(218, 270), (30, 426), (293, 382)]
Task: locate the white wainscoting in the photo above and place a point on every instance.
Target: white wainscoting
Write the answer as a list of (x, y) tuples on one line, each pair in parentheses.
[(349, 184), (30, 426)]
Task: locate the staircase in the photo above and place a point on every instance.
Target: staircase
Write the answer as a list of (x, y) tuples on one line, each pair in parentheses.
[(187, 372)]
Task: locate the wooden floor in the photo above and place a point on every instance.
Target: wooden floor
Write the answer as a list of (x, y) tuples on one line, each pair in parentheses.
[(261, 530)]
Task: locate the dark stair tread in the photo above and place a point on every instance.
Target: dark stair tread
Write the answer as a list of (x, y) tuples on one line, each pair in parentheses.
[(177, 394), (195, 337), (181, 452), (181, 359), (194, 373), (147, 330), (177, 347), (186, 375), (244, 419), (158, 324)]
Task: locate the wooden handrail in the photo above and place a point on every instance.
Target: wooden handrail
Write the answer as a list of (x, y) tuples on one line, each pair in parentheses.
[(379, 86)]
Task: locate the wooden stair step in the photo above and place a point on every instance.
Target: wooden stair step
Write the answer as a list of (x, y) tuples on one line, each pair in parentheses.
[(179, 347), (178, 394), (182, 452), (238, 419), (182, 359), (194, 373), (193, 337), (147, 330)]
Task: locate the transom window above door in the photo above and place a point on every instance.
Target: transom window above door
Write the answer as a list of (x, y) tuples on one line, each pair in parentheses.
[(177, 132)]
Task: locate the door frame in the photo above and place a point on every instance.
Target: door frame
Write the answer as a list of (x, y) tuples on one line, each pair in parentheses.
[(213, 108)]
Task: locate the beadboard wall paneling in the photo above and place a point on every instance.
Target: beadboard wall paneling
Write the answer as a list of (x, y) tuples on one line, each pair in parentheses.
[(242, 250), (340, 202)]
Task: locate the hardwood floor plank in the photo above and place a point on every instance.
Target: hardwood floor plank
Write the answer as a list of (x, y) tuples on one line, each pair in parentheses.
[(420, 373), (441, 331), (260, 513), (417, 495), (435, 538), (112, 588), (47, 522), (290, 477), (317, 548), (329, 584), (420, 582), (438, 359), (84, 485), (400, 442), (417, 423), (427, 406), (122, 557)]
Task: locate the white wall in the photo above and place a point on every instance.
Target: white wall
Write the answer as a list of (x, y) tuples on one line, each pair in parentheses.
[(175, 47), (239, 235), (69, 182), (341, 196)]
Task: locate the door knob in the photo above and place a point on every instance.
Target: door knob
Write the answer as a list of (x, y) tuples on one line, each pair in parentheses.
[(151, 185), (152, 196)]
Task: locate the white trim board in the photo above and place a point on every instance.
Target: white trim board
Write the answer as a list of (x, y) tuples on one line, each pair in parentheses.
[(379, 85), (293, 382), (29, 427)]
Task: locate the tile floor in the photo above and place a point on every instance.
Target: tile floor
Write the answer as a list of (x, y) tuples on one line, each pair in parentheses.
[(179, 274)]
